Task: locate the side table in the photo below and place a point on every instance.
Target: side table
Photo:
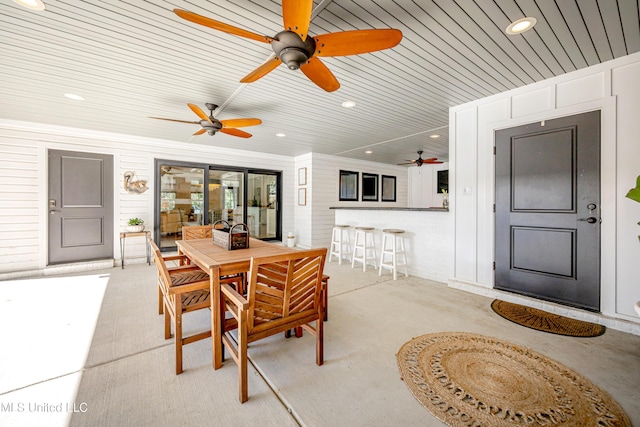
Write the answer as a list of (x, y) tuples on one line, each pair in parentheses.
[(123, 237)]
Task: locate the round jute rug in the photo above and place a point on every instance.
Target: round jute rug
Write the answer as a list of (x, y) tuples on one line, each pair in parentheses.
[(466, 379)]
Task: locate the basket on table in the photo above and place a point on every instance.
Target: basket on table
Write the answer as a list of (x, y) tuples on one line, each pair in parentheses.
[(230, 238)]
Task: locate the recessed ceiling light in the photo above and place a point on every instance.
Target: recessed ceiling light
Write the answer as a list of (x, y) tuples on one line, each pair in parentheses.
[(74, 96), (368, 152), (434, 136), (349, 104), (280, 134), (521, 25), (31, 4)]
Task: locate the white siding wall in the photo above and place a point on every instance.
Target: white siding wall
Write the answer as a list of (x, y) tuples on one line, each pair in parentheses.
[(23, 169), (323, 172), (19, 204), (23, 192), (612, 87)]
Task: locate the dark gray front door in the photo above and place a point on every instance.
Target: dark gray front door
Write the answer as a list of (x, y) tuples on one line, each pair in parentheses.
[(548, 210), (80, 206)]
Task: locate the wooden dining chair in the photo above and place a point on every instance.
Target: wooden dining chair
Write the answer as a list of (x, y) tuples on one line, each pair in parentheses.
[(180, 270), (183, 290), (190, 232), (284, 292)]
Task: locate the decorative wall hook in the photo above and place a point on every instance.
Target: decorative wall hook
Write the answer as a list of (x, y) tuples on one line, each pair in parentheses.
[(134, 185)]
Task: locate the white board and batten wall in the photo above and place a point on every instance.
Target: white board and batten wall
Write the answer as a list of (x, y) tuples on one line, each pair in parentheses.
[(612, 87)]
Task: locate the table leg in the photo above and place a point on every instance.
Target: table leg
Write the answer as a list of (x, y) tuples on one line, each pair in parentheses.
[(147, 238), (216, 318), (122, 239)]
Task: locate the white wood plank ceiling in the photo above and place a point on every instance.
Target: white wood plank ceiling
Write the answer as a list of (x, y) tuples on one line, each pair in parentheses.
[(134, 59)]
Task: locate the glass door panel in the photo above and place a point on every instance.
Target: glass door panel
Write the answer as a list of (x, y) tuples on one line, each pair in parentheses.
[(199, 194), (226, 196), (262, 198), (181, 201)]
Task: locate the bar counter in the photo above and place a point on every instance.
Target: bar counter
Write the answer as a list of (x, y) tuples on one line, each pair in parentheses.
[(386, 208), (428, 235)]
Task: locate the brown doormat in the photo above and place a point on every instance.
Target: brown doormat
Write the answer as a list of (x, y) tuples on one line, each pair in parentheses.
[(467, 379), (547, 322)]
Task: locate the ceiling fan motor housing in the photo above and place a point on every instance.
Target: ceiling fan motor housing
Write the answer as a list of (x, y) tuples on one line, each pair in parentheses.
[(211, 128), (292, 50)]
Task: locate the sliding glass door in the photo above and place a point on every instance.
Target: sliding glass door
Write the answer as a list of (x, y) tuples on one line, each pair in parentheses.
[(226, 196), (181, 201), (199, 194), (262, 192)]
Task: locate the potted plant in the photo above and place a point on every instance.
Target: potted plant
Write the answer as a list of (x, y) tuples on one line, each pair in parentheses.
[(634, 194), (136, 225)]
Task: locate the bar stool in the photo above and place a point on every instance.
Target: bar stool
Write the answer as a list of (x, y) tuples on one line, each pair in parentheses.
[(364, 241), (396, 250), (340, 243)]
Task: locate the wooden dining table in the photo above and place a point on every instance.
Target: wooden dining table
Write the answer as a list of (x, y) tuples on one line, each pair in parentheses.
[(218, 261)]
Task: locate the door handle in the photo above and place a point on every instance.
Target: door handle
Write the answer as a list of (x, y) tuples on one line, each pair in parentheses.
[(590, 220)]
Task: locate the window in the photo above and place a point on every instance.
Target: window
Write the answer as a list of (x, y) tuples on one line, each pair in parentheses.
[(168, 201), (443, 181), (369, 187), (388, 188), (348, 186)]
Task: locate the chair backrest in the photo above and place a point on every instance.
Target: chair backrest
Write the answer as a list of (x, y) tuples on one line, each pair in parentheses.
[(284, 286), (190, 232), (164, 279)]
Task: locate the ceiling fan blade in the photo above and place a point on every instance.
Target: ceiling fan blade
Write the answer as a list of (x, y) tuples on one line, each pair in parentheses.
[(236, 132), (296, 15), (174, 120), (429, 159), (199, 112), (221, 26), (431, 162), (410, 163), (239, 123), (356, 42), (200, 132), (318, 73), (270, 65)]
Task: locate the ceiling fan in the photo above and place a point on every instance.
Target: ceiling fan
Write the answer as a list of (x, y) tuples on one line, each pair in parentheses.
[(420, 161), (297, 50), (167, 170), (211, 125)]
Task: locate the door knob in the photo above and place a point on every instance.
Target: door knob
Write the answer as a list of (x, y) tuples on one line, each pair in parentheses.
[(590, 220)]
